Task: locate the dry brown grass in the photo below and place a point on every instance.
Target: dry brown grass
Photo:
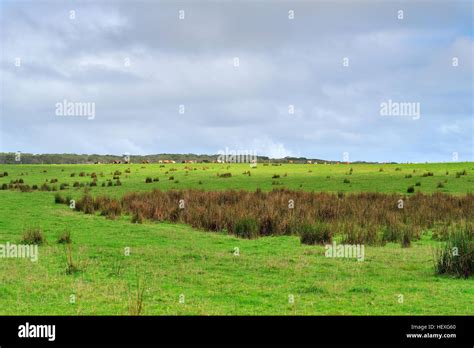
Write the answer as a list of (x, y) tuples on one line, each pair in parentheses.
[(372, 218)]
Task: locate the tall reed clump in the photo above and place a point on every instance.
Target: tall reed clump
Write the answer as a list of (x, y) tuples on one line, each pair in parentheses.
[(135, 299), (456, 256), (71, 266)]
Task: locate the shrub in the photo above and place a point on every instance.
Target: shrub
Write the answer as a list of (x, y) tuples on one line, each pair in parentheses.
[(148, 180), (225, 175), (440, 185), (156, 179), (118, 183), (63, 186), (33, 236), (93, 183), (418, 184), (64, 238), (319, 233), (408, 176), (246, 228), (275, 176), (456, 257), (73, 175), (346, 181), (427, 174), (410, 189), (82, 174), (4, 187), (171, 178)]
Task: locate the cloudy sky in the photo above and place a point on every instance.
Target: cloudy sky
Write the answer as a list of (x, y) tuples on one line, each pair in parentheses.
[(334, 63)]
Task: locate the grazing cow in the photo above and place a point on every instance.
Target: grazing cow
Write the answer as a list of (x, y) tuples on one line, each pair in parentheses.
[(145, 162), (291, 162), (309, 162), (116, 162)]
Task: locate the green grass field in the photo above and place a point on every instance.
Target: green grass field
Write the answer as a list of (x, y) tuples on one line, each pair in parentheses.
[(183, 271)]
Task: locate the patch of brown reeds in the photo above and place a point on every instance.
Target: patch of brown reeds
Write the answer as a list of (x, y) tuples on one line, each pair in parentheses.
[(372, 218)]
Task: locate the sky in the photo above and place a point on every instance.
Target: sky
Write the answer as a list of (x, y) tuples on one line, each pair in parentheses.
[(277, 78)]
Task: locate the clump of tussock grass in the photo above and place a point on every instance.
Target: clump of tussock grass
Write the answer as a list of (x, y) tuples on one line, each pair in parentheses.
[(59, 199), (316, 233), (353, 233), (456, 256), (33, 236), (64, 238), (86, 204), (246, 228)]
